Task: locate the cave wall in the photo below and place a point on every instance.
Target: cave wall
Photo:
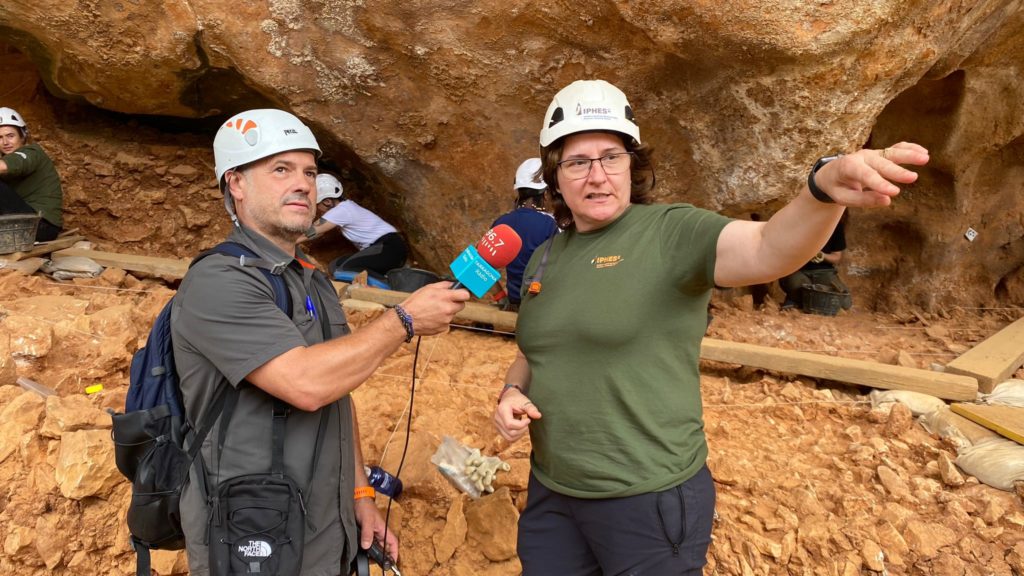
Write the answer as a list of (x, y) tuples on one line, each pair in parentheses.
[(427, 106)]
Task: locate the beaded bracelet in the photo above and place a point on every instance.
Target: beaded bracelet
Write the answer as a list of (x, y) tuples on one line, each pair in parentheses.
[(406, 322)]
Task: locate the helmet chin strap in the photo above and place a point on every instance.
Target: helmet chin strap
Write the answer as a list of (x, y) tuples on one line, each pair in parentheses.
[(229, 205)]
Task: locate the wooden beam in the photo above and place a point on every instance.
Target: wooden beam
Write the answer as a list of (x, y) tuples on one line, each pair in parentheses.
[(994, 360), (873, 374), (44, 248), (474, 312), (1006, 420), (166, 267)]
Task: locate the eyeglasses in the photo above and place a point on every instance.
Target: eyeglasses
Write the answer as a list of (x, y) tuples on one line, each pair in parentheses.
[(579, 168)]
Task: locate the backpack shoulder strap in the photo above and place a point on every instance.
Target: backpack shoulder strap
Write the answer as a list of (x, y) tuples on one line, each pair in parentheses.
[(272, 271)]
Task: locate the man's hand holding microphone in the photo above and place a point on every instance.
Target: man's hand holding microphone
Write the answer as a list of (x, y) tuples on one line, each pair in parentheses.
[(431, 309)]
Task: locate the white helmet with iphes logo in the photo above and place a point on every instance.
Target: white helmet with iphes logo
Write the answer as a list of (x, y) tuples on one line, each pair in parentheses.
[(585, 106)]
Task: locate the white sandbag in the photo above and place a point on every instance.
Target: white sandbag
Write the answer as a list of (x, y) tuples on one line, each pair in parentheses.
[(997, 462), (918, 402), (942, 423), (67, 267), (1009, 393)]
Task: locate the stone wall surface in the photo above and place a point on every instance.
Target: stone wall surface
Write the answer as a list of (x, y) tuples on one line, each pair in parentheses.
[(427, 106)]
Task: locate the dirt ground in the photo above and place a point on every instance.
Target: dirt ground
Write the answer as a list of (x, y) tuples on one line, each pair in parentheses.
[(810, 479)]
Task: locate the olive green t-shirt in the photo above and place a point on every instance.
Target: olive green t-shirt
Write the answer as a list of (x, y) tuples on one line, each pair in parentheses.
[(613, 343), (32, 175)]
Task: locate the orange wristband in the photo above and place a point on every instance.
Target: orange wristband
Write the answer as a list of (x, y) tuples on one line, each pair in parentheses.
[(364, 492)]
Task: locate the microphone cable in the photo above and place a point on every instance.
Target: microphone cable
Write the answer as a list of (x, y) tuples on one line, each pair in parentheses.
[(405, 446), (384, 560)]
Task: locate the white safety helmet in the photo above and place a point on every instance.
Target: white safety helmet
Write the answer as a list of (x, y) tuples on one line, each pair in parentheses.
[(250, 136), (327, 186), (10, 117), (587, 105), (527, 177), (255, 134)]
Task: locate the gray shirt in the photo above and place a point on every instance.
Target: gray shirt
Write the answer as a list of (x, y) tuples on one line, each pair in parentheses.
[(224, 325)]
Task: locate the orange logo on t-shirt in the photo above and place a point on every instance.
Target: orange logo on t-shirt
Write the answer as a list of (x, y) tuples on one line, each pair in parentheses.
[(606, 261)]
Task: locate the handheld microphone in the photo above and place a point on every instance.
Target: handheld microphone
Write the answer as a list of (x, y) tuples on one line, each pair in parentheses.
[(475, 268)]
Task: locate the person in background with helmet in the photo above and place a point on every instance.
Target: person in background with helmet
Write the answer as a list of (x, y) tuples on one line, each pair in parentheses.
[(607, 381), (228, 332), (381, 247), (530, 221), (29, 184)]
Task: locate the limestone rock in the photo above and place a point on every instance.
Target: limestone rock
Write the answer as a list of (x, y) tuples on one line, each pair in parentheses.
[(948, 565), (891, 540), (1016, 558), (19, 542), (85, 466), (49, 541), (894, 483), (168, 562), (8, 375), (873, 556), (30, 337), (19, 417), (491, 523), (454, 532), (71, 413), (901, 419), (926, 539), (948, 471), (797, 78)]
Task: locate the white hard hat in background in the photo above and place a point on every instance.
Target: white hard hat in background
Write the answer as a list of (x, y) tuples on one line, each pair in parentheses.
[(10, 117), (527, 175), (327, 186)]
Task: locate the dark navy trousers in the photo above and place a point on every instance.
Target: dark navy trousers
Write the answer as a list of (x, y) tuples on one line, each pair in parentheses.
[(663, 533)]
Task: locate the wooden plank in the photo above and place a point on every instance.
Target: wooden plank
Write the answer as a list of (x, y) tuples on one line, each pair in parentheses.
[(993, 360), (1006, 420), (873, 374), (352, 305), (474, 312), (166, 267), (44, 248)]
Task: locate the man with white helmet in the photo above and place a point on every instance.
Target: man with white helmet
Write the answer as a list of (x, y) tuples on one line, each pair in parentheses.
[(381, 247), (531, 222), (29, 183), (607, 385), (228, 332)]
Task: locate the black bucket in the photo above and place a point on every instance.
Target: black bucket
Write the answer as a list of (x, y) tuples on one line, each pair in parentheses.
[(410, 279), (820, 299)]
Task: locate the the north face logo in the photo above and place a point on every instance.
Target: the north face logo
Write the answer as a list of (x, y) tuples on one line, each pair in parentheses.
[(255, 549)]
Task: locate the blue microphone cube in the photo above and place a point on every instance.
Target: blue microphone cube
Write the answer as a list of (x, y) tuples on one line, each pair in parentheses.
[(473, 272)]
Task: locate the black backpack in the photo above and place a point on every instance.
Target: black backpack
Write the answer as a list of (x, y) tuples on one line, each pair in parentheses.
[(150, 437)]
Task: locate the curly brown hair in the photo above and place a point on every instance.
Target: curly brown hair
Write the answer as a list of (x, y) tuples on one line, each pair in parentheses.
[(641, 173)]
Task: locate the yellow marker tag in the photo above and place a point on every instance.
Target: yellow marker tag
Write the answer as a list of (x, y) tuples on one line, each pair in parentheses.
[(94, 388)]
